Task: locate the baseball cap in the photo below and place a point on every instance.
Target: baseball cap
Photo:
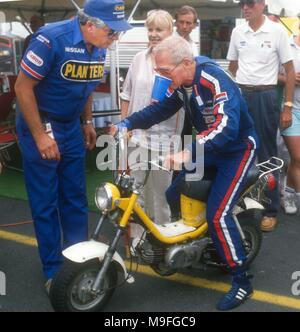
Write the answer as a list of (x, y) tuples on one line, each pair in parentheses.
[(111, 12)]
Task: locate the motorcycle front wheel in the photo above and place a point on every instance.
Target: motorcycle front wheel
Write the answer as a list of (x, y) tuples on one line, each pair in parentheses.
[(70, 289)]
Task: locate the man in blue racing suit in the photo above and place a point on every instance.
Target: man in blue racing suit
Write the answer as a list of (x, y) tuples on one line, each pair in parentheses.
[(219, 113), (59, 71)]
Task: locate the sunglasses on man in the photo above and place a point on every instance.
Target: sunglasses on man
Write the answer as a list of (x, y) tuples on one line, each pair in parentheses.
[(112, 33), (249, 3)]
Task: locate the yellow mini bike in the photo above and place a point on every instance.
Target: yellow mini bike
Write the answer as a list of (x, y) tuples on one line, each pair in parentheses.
[(93, 270)]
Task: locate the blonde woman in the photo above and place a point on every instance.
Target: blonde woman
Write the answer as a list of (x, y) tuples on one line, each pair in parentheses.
[(136, 95)]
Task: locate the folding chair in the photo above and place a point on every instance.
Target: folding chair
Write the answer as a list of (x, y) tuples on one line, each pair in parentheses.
[(8, 135), (7, 139)]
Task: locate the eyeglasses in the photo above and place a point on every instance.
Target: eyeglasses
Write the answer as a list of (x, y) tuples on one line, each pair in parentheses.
[(166, 71), (249, 3), (112, 33)]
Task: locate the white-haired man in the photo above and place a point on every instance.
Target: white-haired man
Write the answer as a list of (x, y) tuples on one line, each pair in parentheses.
[(219, 113)]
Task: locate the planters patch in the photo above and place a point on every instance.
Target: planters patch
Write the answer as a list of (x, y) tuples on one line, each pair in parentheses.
[(82, 71)]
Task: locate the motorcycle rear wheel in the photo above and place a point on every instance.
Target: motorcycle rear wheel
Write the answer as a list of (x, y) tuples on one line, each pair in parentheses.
[(253, 236), (69, 291)]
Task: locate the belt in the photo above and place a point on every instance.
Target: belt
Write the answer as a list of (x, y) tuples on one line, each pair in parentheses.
[(46, 117), (246, 87)]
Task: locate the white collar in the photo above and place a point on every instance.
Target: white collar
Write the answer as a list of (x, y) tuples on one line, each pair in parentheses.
[(266, 26)]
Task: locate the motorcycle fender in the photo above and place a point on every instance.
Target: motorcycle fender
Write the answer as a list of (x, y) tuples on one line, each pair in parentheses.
[(252, 204), (85, 251)]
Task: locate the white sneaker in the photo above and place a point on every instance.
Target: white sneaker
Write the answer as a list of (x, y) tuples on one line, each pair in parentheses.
[(288, 203)]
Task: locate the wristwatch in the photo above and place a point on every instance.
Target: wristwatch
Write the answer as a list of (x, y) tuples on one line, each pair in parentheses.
[(87, 122), (288, 104)]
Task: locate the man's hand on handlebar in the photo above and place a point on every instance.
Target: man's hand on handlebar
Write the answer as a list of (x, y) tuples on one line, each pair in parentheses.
[(112, 130), (175, 161)]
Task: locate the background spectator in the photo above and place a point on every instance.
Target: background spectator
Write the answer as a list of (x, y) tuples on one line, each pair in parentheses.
[(36, 22), (291, 136), (186, 21), (257, 48)]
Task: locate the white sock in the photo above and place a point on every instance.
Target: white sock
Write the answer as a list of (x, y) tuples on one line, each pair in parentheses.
[(289, 189)]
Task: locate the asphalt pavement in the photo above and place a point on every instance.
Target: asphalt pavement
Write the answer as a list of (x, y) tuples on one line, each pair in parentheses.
[(187, 291)]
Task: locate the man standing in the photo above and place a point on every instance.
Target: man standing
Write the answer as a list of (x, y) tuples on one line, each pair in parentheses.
[(226, 132), (61, 68), (257, 48), (186, 21)]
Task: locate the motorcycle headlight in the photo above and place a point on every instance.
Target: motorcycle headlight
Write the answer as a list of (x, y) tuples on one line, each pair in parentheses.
[(105, 197)]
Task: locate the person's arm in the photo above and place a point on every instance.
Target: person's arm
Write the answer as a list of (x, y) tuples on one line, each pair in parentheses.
[(150, 115), (233, 55), (24, 89), (233, 67), (281, 79), (286, 114), (124, 109), (153, 114), (127, 90), (88, 129), (298, 78)]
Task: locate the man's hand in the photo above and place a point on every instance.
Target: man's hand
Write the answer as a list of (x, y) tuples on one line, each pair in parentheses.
[(286, 118), (90, 136), (174, 161), (47, 147), (112, 130)]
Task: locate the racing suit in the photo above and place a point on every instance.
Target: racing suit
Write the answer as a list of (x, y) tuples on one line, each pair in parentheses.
[(220, 116)]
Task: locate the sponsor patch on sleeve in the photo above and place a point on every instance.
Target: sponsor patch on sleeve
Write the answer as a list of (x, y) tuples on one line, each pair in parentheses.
[(44, 40), (221, 98), (34, 58)]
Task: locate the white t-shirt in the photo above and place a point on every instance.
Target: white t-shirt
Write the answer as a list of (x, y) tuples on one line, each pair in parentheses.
[(192, 43), (137, 89), (259, 54)]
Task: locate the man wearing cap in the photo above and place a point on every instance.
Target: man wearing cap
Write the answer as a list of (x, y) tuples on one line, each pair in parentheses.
[(59, 71)]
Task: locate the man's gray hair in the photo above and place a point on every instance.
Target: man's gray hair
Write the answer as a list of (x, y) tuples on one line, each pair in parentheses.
[(177, 47), (84, 18)]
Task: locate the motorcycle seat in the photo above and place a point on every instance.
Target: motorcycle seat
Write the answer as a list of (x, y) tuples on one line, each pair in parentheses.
[(200, 190)]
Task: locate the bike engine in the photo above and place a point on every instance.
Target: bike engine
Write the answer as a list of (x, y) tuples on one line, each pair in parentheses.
[(186, 255), (150, 253)]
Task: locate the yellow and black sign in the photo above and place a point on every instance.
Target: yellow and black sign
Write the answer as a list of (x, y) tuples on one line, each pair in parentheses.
[(82, 71), (291, 24)]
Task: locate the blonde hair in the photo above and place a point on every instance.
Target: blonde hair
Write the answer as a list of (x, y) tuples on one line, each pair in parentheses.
[(160, 18)]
